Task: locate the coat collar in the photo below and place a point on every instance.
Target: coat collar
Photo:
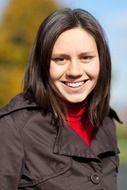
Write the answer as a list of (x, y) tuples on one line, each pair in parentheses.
[(67, 141), (70, 144), (17, 103)]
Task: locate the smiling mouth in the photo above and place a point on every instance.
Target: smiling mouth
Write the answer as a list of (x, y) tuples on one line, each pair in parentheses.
[(75, 84)]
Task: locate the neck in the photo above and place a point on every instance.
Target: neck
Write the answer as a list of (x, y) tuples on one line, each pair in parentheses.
[(76, 110)]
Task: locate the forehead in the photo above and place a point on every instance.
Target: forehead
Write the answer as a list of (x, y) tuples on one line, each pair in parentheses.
[(76, 38)]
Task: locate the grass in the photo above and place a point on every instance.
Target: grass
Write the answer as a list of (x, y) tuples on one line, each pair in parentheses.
[(122, 143)]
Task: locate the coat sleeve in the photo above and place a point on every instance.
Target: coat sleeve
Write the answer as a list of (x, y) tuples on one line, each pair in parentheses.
[(11, 154)]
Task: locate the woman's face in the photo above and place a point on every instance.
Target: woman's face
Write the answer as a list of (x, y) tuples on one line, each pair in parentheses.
[(74, 66)]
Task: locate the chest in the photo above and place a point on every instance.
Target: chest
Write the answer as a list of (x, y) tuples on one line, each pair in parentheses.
[(63, 162)]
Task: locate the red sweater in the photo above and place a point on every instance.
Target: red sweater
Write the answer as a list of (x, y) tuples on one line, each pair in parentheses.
[(74, 119)]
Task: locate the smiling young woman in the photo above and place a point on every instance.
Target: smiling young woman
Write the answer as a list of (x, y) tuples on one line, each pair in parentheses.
[(59, 133), (74, 66)]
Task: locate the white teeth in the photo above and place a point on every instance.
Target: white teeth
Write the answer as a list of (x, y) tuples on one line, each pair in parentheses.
[(74, 84)]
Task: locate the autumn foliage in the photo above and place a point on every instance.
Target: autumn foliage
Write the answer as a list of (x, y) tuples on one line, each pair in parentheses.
[(18, 28)]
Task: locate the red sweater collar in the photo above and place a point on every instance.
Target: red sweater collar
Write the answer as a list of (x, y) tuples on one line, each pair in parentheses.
[(74, 119), (75, 111)]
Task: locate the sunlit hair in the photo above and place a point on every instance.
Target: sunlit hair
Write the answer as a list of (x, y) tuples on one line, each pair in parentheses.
[(37, 79)]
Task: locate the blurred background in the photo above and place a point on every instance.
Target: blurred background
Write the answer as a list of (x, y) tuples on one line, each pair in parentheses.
[(19, 21)]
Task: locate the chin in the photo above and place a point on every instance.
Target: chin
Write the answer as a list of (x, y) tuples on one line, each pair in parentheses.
[(76, 100)]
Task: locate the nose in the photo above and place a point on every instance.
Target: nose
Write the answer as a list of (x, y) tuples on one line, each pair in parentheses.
[(74, 69)]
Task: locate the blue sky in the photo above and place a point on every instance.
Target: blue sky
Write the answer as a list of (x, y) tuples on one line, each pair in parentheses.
[(112, 15), (2, 4)]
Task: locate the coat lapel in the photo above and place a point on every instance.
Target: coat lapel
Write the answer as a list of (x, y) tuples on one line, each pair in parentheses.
[(70, 144)]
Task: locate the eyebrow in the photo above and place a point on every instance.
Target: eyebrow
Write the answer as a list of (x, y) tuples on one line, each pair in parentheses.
[(60, 55), (67, 55), (87, 53)]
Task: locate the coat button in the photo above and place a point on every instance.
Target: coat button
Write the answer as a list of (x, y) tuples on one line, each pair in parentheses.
[(95, 178)]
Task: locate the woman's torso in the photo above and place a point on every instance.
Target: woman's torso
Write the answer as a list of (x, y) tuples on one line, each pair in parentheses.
[(40, 155)]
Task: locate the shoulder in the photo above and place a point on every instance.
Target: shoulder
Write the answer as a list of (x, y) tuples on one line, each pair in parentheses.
[(109, 125), (19, 111), (113, 115), (15, 104), (111, 119)]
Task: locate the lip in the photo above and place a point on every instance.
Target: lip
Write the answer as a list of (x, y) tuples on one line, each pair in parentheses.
[(75, 85)]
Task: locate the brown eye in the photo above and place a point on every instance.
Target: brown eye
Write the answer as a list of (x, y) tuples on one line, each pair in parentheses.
[(86, 59), (59, 60)]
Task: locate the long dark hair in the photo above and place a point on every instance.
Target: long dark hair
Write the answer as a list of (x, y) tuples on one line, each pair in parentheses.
[(37, 78)]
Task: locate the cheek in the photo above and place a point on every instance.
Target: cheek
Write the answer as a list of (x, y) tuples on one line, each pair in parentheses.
[(53, 74), (53, 71), (93, 71), (96, 71), (56, 71)]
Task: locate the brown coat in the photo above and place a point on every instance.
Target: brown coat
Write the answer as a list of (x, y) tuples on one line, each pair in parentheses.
[(37, 155)]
